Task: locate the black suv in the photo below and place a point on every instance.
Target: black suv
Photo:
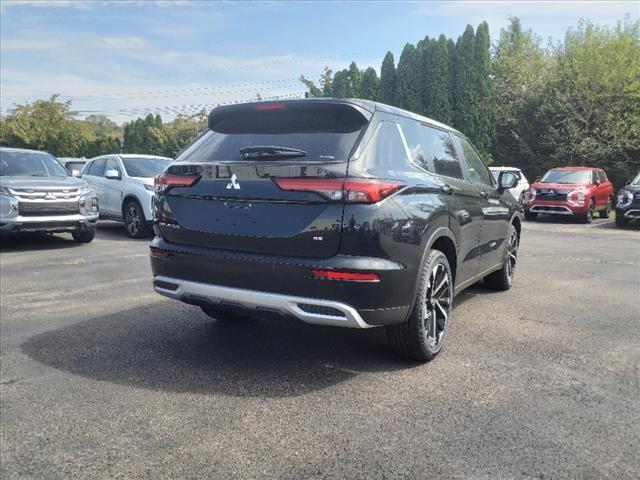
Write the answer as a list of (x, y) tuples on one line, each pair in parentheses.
[(336, 212)]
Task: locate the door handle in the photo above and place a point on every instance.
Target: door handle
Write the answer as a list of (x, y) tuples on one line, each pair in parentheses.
[(484, 194), (447, 189)]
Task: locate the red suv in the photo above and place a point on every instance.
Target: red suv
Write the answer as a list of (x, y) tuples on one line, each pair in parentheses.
[(577, 191)]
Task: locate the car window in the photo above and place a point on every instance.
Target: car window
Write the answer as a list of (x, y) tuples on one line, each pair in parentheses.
[(31, 164), (567, 176), (97, 167), (145, 167), (478, 171), (438, 149), (602, 176), (311, 132), (386, 149), (417, 139), (112, 164)]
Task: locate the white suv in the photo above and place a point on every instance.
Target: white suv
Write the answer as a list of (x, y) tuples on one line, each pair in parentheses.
[(124, 185), (520, 188)]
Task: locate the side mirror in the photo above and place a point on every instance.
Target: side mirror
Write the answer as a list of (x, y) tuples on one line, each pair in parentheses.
[(112, 175), (507, 180), (75, 173), (628, 182)]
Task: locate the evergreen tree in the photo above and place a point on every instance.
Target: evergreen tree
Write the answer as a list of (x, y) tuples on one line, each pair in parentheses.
[(451, 50), (369, 84), (340, 86), (408, 94), (424, 72), (483, 90), (387, 92), (354, 76), (464, 114)]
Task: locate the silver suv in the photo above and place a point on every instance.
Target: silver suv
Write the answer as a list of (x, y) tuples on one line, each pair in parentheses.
[(124, 185), (37, 194)]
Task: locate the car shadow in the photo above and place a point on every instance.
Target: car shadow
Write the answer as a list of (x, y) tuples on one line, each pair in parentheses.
[(24, 242), (112, 230), (176, 348)]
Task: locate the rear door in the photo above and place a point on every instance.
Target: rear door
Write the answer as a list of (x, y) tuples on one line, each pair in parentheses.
[(113, 188), (93, 176), (255, 163)]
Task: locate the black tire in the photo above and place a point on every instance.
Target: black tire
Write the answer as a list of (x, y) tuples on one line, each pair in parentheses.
[(503, 278), (531, 216), (137, 225), (224, 316), (621, 221), (84, 236), (587, 217), (422, 336), (607, 211)]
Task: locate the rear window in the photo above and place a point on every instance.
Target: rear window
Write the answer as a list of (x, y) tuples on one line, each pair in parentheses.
[(317, 133), (145, 167)]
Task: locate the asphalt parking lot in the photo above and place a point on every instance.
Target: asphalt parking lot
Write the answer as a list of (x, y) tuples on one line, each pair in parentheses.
[(102, 378)]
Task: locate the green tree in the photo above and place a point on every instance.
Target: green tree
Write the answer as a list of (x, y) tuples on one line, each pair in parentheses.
[(464, 93), (593, 102), (369, 84), (354, 77), (341, 86), (437, 87), (482, 127), (408, 94), (521, 70), (387, 93), (48, 125)]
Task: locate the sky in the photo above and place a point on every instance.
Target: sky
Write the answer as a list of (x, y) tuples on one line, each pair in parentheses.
[(126, 58)]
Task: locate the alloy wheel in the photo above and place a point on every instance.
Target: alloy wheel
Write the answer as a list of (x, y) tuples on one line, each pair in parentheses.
[(436, 308), (132, 219)]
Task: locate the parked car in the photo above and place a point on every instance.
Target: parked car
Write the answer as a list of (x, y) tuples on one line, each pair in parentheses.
[(523, 183), (628, 205), (74, 165), (335, 212), (577, 191), (37, 194), (124, 185)]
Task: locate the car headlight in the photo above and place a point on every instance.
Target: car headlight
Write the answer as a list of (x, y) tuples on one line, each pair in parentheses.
[(149, 188), (625, 197), (85, 189), (5, 191), (576, 197), (529, 195)]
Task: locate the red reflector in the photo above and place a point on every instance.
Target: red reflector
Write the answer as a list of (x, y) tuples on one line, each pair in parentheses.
[(156, 252), (270, 106), (349, 190), (347, 276), (165, 181)]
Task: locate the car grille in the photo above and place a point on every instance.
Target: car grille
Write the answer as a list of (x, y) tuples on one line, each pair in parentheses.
[(551, 195), (43, 209), (47, 194)]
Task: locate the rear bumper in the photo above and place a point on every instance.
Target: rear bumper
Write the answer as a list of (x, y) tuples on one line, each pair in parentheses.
[(253, 282), (309, 310)]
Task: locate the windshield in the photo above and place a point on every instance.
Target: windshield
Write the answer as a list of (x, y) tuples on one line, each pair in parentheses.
[(567, 176), (145, 167), (74, 166), (300, 133), (30, 164)]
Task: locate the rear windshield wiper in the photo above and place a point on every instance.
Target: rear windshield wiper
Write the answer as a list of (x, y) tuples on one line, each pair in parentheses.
[(261, 151)]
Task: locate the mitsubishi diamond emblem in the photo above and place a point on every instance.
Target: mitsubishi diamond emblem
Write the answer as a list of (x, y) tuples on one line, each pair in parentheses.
[(233, 183), (49, 196)]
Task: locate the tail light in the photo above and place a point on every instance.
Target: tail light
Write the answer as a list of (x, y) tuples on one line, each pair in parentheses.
[(157, 252), (346, 276), (348, 190), (166, 181)]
